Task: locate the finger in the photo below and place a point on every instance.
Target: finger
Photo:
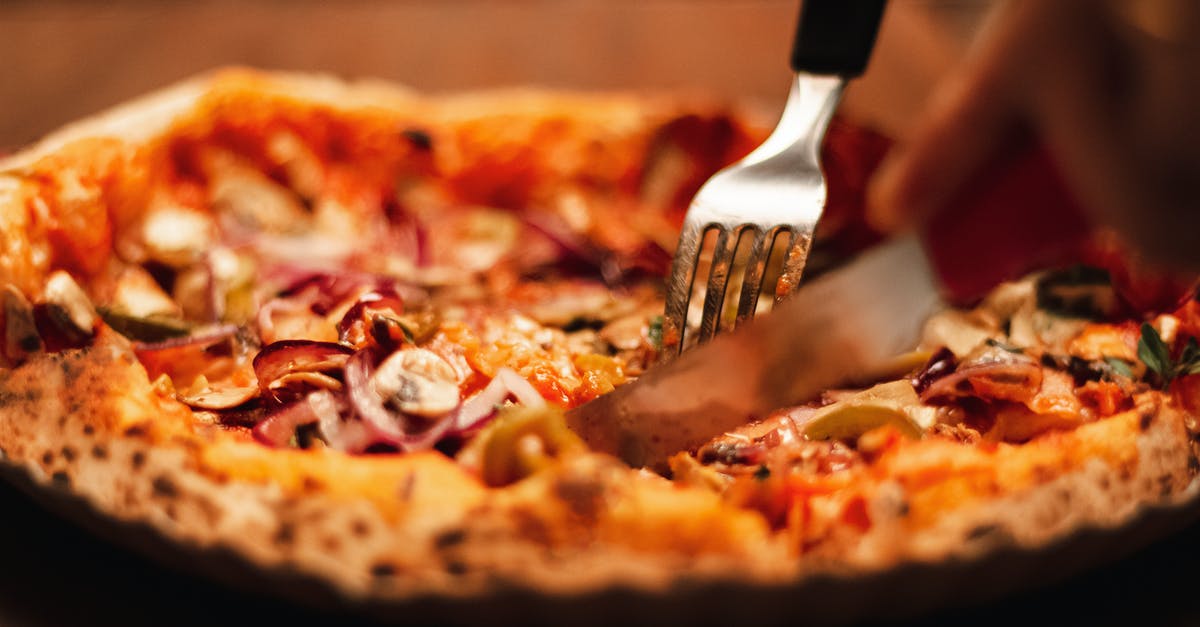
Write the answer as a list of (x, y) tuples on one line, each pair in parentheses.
[(972, 120)]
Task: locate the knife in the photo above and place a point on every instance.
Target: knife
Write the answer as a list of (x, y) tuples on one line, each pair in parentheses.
[(845, 325)]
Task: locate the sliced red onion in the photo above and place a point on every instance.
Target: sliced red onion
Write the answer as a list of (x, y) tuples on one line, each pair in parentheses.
[(388, 426), (287, 356), (940, 364), (521, 389), (994, 374), (200, 339), (800, 416), (408, 238), (348, 436), (382, 298), (278, 428), (572, 244), (332, 289), (479, 409)]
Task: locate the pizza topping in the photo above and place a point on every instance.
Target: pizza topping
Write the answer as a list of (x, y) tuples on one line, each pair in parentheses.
[(386, 424), (206, 336), (218, 397), (519, 443), (152, 328), (280, 427), (68, 306), (176, 236), (417, 382), (135, 293), (20, 330), (990, 372), (373, 308), (209, 353), (280, 365), (894, 403), (1154, 352)]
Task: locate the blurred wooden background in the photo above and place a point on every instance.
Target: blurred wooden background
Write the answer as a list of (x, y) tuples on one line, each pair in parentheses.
[(63, 59)]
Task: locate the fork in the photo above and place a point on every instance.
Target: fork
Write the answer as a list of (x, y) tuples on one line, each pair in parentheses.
[(778, 189)]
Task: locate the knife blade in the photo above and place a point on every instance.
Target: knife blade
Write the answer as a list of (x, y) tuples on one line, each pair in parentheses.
[(844, 325)]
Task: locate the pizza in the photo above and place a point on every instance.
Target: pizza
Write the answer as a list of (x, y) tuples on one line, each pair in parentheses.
[(331, 329)]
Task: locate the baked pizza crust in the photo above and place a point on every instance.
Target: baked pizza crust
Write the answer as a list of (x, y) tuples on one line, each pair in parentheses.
[(421, 529)]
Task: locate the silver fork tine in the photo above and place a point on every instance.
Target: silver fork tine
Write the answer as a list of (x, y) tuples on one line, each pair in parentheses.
[(756, 266), (718, 279), (679, 288), (797, 258)]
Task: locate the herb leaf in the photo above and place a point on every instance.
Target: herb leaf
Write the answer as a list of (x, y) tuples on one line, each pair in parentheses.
[(1157, 356), (1154, 353), (1119, 366), (654, 332)]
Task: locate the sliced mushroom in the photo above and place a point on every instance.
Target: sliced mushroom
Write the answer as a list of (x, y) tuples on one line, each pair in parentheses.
[(418, 382), (220, 396), (254, 201), (176, 236), (137, 294), (69, 307), (300, 379)]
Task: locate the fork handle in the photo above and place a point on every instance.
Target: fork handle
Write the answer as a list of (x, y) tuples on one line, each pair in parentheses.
[(836, 36)]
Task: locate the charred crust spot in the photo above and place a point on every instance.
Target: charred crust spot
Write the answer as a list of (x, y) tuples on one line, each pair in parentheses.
[(449, 538), (311, 484), (68, 453), (135, 431), (62, 420), (1145, 420), (70, 372), (456, 568), (383, 569), (61, 479), (99, 452), (987, 531), (89, 430), (584, 498), (407, 488), (359, 528), (171, 511), (137, 460), (163, 486), (420, 139), (47, 458), (6, 398), (285, 534), (1043, 474), (531, 527), (1166, 485)]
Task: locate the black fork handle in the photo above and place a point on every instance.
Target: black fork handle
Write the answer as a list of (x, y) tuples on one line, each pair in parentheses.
[(836, 36)]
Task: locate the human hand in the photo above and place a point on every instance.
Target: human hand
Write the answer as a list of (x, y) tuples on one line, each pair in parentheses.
[(1111, 89)]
